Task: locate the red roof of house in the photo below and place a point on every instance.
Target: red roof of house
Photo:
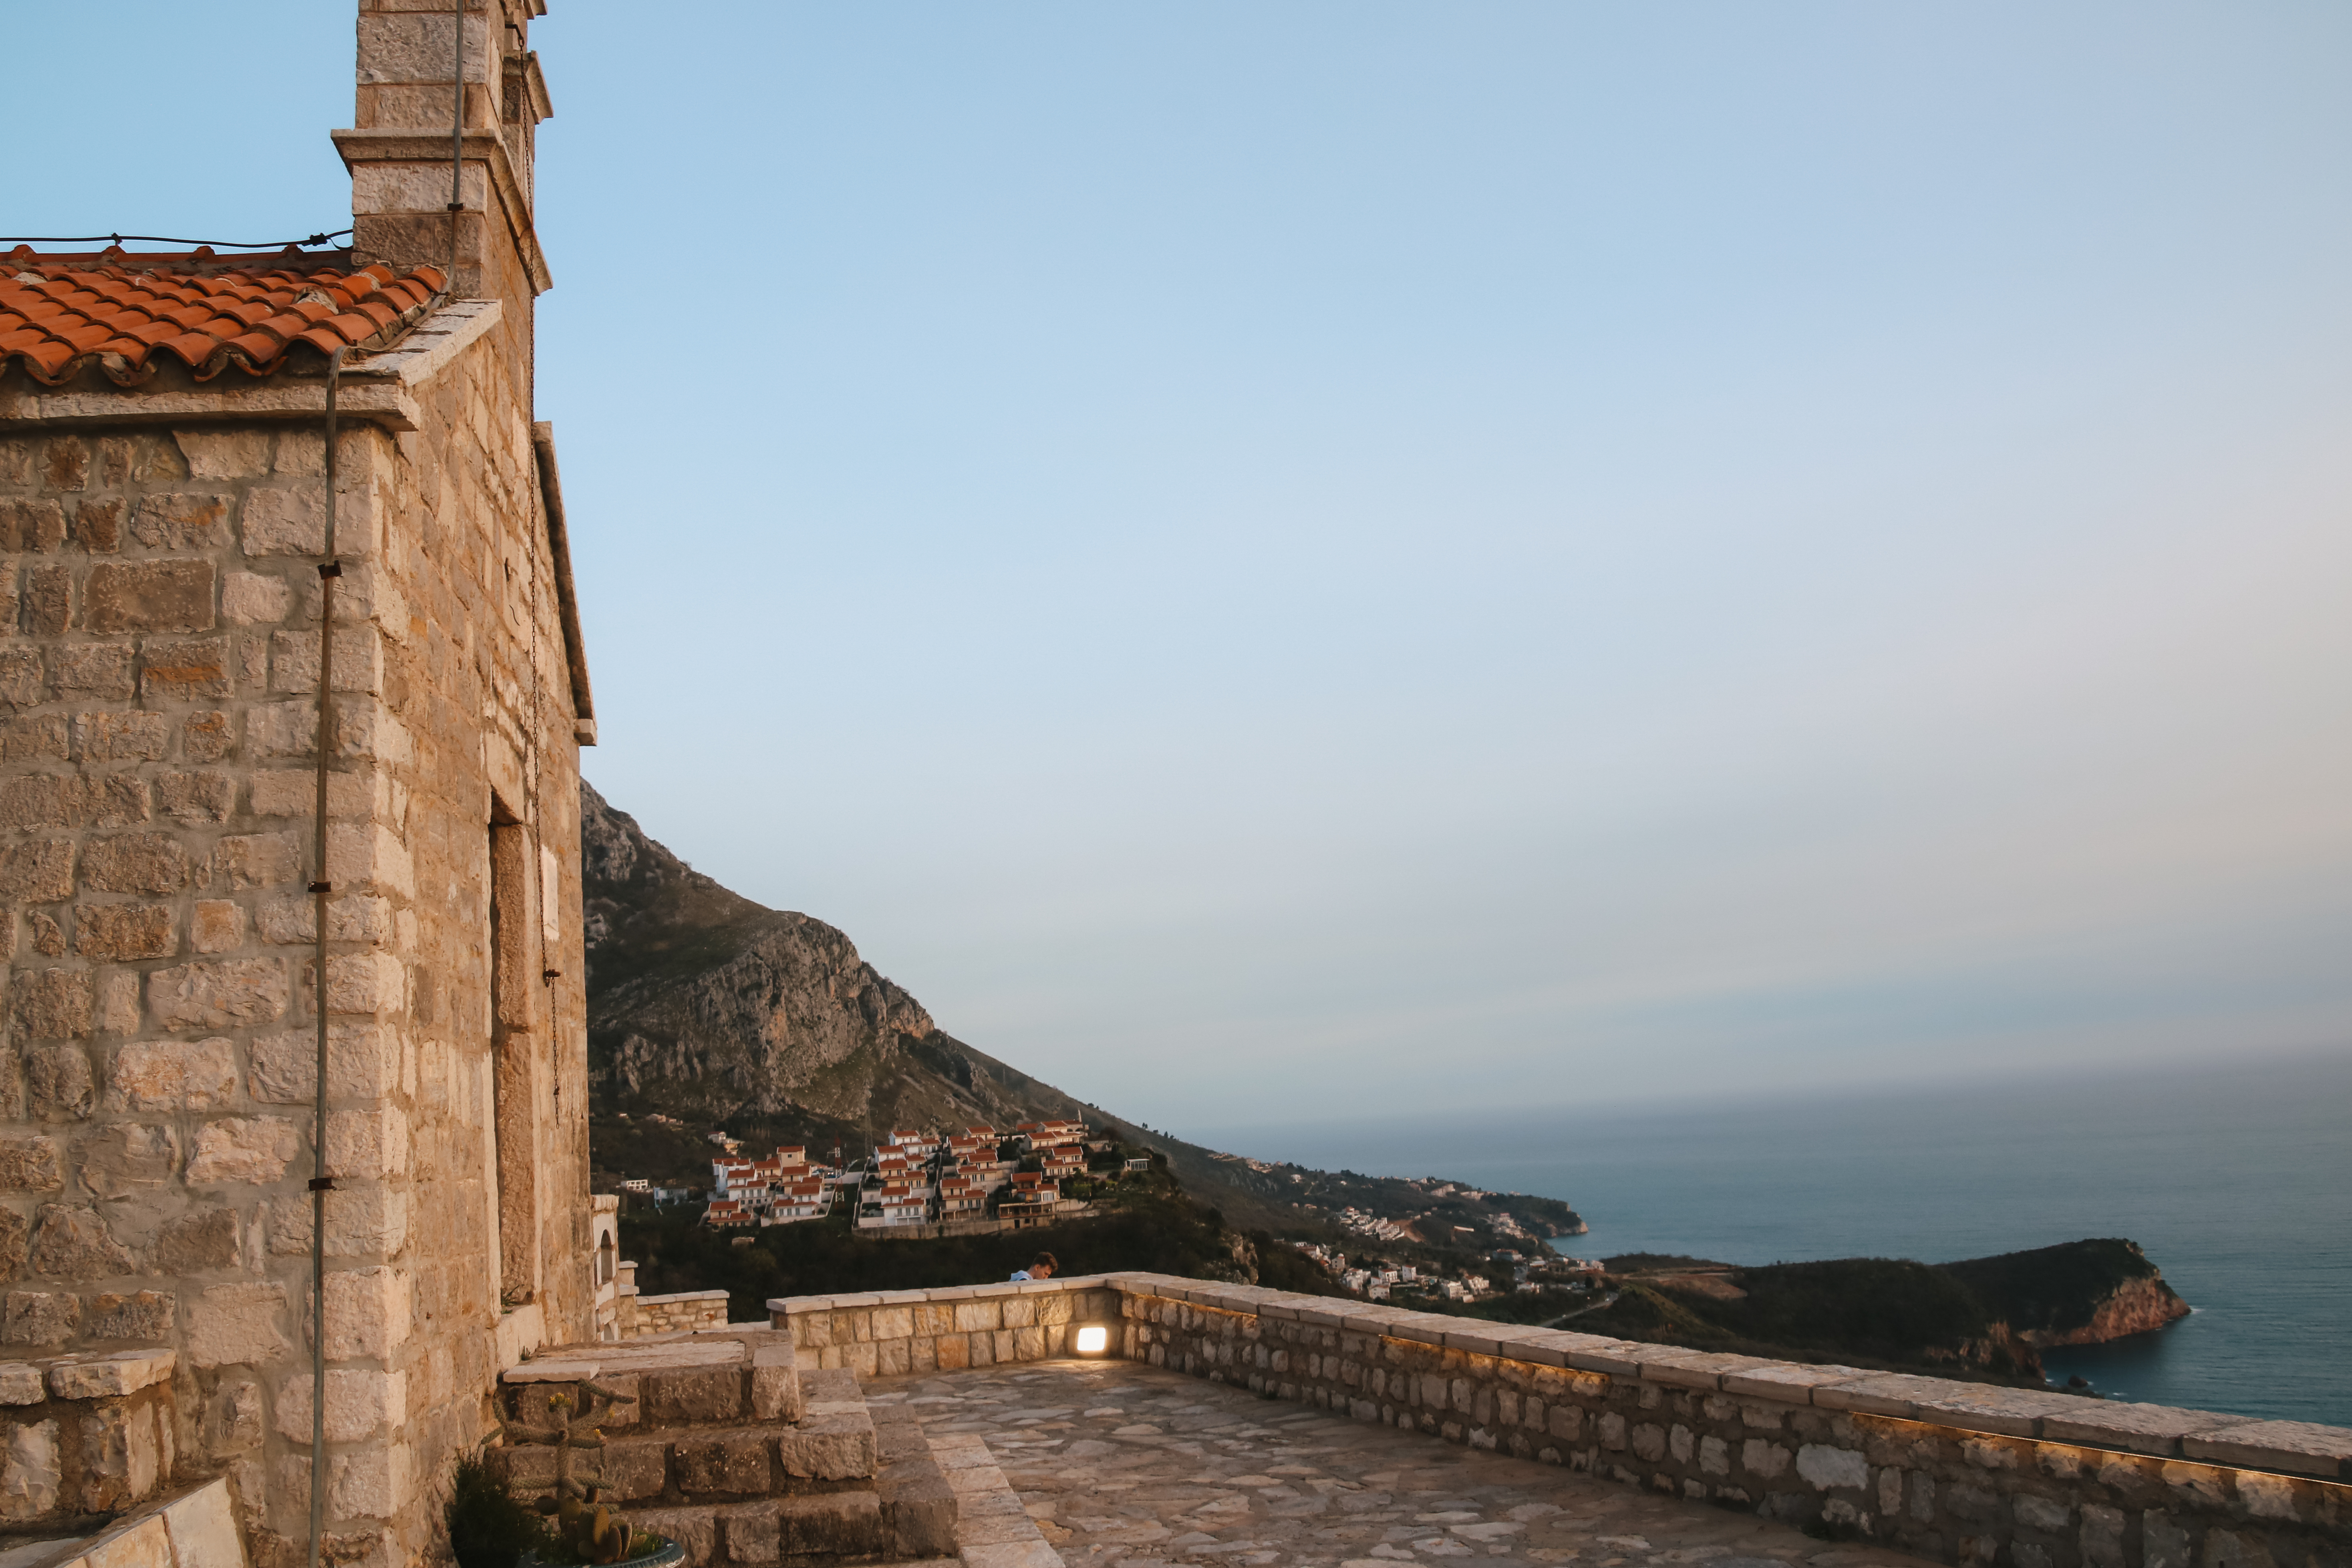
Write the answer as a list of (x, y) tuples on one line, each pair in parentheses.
[(58, 314)]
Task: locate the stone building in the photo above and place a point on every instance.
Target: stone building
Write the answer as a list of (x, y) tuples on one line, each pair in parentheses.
[(165, 519)]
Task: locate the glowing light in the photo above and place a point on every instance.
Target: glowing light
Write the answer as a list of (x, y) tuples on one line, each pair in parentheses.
[(1093, 1340)]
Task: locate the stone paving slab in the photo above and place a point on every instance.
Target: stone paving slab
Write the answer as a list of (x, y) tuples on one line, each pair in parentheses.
[(1115, 1462)]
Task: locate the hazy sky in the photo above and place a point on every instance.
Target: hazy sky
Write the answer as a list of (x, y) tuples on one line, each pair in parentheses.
[(1357, 557)]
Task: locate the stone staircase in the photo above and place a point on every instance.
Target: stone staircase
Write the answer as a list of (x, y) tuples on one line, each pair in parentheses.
[(733, 1451)]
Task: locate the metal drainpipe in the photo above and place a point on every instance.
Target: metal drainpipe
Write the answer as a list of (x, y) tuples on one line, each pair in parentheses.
[(330, 570), (457, 138)]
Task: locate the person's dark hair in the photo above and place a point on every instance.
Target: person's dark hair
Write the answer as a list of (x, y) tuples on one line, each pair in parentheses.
[(1044, 1260)]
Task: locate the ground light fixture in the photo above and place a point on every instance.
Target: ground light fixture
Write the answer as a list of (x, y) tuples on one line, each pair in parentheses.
[(1093, 1338)]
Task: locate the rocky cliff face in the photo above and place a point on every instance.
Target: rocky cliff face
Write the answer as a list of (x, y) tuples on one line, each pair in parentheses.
[(2133, 1307), (702, 1002), (2077, 1293)]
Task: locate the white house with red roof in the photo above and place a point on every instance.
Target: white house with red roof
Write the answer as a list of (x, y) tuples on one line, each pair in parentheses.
[(806, 1198), (962, 1198), (1032, 1198), (892, 1203)]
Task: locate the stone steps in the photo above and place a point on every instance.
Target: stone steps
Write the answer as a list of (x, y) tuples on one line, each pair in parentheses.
[(719, 1462), (839, 1526), (709, 1457)]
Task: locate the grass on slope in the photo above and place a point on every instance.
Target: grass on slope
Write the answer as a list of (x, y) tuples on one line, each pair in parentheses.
[(1659, 1317), (2056, 1288)]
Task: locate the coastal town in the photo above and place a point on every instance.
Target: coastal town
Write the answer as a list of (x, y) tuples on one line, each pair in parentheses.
[(918, 1184), (919, 1181)]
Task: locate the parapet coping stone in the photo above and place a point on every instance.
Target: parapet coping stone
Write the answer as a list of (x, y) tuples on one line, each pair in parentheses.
[(667, 1352), (1702, 1370), (108, 1375), (2154, 1429), (2305, 1447), (1786, 1381), (2298, 1447)]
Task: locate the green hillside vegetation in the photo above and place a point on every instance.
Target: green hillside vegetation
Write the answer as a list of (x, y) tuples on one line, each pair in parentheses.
[(1661, 1263), (1868, 1306), (2053, 1289), (1160, 1231), (1964, 1318), (1648, 1315)]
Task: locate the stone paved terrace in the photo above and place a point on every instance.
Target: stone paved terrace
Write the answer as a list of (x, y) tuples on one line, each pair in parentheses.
[(1121, 1463), (1965, 1474)]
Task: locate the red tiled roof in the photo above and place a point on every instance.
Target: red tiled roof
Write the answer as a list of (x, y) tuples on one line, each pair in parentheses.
[(126, 312)]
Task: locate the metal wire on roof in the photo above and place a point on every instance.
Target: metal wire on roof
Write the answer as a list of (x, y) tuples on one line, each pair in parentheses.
[(165, 239)]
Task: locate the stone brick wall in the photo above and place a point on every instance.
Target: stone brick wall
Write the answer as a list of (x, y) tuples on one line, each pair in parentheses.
[(893, 1333), (1965, 1473), (157, 724), (681, 1313)]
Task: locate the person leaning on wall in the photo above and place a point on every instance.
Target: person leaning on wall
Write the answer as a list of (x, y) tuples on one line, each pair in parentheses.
[(1041, 1266)]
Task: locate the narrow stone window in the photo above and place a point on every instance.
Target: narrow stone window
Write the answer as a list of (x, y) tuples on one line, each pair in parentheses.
[(518, 1055), (604, 1254)]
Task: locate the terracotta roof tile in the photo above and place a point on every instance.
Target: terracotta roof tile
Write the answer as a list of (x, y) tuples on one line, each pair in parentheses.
[(132, 314)]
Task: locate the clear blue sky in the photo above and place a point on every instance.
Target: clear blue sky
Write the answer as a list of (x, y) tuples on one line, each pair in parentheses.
[(1360, 556)]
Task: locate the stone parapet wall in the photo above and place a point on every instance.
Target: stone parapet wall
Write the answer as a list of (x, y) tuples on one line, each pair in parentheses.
[(1966, 1473), (889, 1333), (680, 1313)]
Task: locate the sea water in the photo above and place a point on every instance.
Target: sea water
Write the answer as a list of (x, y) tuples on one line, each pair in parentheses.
[(2236, 1182)]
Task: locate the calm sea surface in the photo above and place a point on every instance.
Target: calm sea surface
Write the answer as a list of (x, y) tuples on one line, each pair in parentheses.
[(2238, 1184)]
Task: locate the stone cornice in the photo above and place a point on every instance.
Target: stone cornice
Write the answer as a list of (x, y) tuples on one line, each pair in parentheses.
[(405, 144), (437, 339)]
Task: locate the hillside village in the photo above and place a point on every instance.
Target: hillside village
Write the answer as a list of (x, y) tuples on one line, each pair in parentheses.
[(977, 1179), (971, 1177)]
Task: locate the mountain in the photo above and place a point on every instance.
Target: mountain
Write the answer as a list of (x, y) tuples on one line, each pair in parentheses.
[(706, 1006), (718, 1012)]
